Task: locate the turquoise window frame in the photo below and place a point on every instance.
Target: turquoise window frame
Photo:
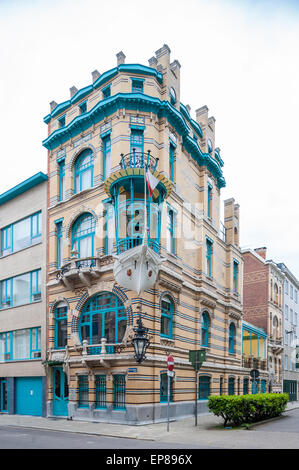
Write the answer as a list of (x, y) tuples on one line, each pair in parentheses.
[(6, 289), (108, 215), (137, 140), (101, 391), (210, 188), (245, 386), (83, 107), (106, 142), (83, 390), (79, 235), (4, 390), (204, 387), (235, 275), (114, 304), (263, 386), (79, 171), (171, 227), (164, 388), (137, 85), (7, 234), (209, 251), (171, 161), (232, 338), (59, 259), (119, 391), (34, 345), (231, 386), (106, 92), (167, 314), (205, 327), (60, 317), (61, 121), (61, 180)]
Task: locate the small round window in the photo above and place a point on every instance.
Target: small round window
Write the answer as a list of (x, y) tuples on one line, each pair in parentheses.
[(172, 95)]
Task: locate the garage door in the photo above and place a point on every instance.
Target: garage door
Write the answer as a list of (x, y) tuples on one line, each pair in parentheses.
[(29, 396)]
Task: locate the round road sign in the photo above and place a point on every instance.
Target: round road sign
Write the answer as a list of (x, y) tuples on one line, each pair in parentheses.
[(170, 363)]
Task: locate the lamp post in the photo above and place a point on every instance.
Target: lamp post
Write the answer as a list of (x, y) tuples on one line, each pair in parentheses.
[(140, 341)]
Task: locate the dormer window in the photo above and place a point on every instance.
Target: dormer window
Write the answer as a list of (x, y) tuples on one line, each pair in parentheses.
[(106, 92), (61, 121), (137, 85), (210, 146), (83, 107)]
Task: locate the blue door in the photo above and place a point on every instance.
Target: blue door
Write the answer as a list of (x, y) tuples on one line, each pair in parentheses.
[(29, 396), (60, 392)]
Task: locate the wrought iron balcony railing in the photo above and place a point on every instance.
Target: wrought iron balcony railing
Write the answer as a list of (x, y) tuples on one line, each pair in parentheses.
[(136, 159)]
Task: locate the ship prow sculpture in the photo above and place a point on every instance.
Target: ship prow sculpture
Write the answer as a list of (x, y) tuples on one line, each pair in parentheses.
[(137, 269)]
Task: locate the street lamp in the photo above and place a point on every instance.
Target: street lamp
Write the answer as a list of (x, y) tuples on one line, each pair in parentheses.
[(140, 341)]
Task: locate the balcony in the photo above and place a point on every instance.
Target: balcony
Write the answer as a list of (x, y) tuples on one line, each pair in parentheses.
[(79, 269), (138, 160), (103, 352), (250, 362)]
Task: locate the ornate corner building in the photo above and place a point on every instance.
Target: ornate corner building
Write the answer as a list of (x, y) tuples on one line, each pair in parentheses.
[(100, 141)]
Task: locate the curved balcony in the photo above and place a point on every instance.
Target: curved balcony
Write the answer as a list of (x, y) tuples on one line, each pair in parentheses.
[(83, 269), (137, 159)]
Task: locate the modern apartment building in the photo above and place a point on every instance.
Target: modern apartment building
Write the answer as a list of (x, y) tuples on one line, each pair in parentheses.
[(23, 233), (100, 142), (291, 333), (263, 307)]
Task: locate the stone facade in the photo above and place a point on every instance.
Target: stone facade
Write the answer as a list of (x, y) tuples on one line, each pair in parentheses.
[(201, 274)]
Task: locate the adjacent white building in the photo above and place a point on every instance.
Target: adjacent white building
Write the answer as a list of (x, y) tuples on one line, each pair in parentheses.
[(291, 332)]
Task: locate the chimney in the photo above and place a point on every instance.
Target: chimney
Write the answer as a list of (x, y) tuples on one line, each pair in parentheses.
[(95, 75), (231, 222), (188, 108), (73, 91), (120, 56), (261, 251), (53, 105), (152, 62), (163, 57)]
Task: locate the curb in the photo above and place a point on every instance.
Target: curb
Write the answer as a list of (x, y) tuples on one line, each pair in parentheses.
[(272, 419)]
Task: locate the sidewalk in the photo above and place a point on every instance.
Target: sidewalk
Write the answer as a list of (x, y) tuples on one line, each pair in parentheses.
[(181, 431)]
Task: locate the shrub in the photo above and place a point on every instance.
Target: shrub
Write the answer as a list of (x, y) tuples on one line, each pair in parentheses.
[(238, 409)]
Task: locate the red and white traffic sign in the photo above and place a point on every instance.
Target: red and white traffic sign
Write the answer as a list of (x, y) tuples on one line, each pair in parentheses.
[(170, 363)]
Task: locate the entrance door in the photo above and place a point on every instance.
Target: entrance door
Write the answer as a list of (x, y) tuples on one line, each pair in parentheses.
[(60, 392), (29, 396)]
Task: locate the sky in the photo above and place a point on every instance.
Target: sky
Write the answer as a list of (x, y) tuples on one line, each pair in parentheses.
[(238, 57)]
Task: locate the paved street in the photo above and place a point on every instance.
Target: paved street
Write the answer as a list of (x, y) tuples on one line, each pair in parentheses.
[(28, 438), (17, 431)]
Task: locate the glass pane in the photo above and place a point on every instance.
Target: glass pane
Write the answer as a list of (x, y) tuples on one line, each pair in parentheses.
[(62, 333), (85, 247), (121, 329), (57, 379), (21, 344), (22, 234), (21, 289), (86, 179), (110, 327), (96, 329), (165, 323)]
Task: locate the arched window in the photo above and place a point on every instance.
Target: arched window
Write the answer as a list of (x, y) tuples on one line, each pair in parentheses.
[(83, 234), (205, 323), (167, 317), (231, 386), (84, 171), (103, 316), (204, 387), (232, 338), (60, 314)]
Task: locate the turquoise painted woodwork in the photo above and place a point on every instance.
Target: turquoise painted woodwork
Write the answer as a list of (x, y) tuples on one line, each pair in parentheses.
[(205, 325), (101, 391), (103, 316), (164, 388), (204, 385), (232, 338), (167, 317), (119, 391), (83, 171), (140, 102), (83, 401), (28, 396), (231, 386), (60, 392), (83, 235)]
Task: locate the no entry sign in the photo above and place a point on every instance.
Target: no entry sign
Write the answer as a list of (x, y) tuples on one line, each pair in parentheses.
[(170, 363)]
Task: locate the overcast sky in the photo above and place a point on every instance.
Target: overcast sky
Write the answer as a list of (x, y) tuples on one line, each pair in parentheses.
[(238, 57)]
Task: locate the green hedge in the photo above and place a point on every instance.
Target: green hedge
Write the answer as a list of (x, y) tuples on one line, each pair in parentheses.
[(238, 409)]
